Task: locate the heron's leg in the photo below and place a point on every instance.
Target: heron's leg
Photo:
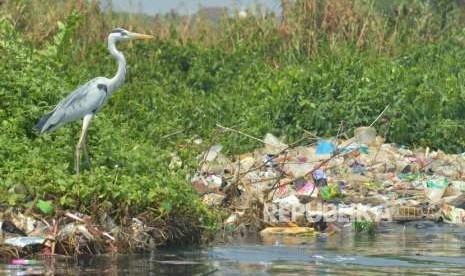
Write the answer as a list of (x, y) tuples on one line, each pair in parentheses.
[(85, 124), (78, 158), (86, 154)]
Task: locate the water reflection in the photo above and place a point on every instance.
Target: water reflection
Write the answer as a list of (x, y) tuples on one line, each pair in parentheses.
[(411, 249)]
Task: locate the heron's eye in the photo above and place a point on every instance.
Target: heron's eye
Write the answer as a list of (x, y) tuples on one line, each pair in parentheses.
[(124, 34)]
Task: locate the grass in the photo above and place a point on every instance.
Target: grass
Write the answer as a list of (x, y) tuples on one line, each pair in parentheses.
[(320, 64), (362, 226)]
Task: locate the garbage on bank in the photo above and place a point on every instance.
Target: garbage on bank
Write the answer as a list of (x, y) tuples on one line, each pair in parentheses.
[(71, 234), (333, 180)]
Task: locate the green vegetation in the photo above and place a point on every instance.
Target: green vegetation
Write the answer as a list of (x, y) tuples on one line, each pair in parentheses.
[(363, 226), (322, 63), (130, 172)]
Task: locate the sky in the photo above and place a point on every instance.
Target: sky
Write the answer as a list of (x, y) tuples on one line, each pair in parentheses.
[(185, 6)]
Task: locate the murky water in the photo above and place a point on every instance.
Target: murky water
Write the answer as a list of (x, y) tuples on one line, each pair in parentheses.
[(411, 249)]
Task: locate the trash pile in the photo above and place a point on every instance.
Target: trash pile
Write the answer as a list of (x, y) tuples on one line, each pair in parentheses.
[(333, 180), (72, 234)]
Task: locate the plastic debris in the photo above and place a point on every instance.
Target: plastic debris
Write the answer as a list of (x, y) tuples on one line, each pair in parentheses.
[(458, 185), (320, 177), (233, 219), (212, 152), (358, 179), (330, 192), (74, 229), (292, 199), (453, 214), (24, 262), (287, 231), (435, 188), (9, 227), (213, 199), (325, 147), (24, 241), (365, 135), (23, 222), (71, 234), (273, 145)]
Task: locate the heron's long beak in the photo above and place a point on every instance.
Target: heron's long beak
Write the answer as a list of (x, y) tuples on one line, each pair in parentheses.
[(140, 36)]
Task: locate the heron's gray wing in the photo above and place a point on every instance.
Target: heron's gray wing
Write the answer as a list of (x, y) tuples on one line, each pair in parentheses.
[(87, 99)]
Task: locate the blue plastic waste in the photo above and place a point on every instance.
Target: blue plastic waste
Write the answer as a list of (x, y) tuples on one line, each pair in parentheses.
[(325, 147)]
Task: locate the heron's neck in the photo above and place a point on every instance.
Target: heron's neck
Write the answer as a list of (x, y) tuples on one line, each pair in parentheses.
[(118, 79)]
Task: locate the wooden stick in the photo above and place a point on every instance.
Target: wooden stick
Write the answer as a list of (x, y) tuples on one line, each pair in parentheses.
[(72, 216), (379, 116), (245, 134), (171, 134)]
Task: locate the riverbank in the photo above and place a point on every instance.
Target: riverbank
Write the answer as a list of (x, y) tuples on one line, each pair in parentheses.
[(71, 234)]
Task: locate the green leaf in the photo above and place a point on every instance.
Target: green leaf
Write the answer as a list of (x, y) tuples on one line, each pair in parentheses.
[(45, 207)]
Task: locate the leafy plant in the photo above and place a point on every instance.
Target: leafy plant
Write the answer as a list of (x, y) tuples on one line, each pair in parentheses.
[(363, 226)]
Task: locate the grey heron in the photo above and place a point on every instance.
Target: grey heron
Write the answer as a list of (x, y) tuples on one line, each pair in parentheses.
[(89, 98)]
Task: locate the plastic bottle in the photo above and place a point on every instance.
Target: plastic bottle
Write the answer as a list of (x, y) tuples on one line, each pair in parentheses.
[(434, 189)]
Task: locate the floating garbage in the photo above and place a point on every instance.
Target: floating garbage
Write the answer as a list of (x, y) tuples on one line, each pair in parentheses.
[(361, 179), (293, 230)]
